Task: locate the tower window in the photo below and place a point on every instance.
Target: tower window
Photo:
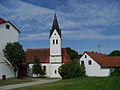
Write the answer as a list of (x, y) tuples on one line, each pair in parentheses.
[(56, 41), (55, 71), (44, 68), (53, 41), (89, 62), (7, 26)]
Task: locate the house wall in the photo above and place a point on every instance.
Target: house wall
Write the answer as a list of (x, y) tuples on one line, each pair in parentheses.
[(6, 35), (94, 69)]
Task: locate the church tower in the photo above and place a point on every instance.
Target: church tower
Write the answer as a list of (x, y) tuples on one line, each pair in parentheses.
[(55, 42)]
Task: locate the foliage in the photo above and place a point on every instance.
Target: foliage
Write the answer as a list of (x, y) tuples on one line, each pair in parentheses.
[(37, 68), (72, 53), (15, 54), (115, 53), (115, 72), (71, 69)]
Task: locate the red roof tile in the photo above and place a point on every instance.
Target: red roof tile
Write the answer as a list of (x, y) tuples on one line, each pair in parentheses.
[(104, 60), (2, 21), (43, 55)]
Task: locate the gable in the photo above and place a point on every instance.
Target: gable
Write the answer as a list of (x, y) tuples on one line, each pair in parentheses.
[(104, 60), (55, 34), (3, 22)]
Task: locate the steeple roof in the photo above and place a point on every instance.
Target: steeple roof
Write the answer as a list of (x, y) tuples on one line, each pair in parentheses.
[(55, 26)]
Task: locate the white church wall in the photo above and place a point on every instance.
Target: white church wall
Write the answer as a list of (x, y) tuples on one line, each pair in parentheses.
[(55, 58), (54, 71), (42, 64), (6, 35), (50, 70), (94, 69)]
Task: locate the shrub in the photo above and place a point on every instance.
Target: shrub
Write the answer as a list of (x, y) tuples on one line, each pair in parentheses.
[(115, 72), (71, 69)]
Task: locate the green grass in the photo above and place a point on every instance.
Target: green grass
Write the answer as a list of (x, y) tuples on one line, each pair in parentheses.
[(18, 81), (84, 83)]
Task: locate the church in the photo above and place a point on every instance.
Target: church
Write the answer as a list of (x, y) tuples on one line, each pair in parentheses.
[(51, 58)]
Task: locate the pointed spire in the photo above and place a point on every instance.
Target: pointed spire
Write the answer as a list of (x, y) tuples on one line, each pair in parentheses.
[(55, 26), (55, 23)]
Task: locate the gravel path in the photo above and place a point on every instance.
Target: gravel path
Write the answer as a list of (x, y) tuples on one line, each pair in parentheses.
[(27, 84)]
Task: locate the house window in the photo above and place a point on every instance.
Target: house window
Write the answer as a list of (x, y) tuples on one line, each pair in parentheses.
[(53, 41), (55, 71), (89, 62), (85, 56), (7, 26), (44, 68), (56, 41), (82, 62)]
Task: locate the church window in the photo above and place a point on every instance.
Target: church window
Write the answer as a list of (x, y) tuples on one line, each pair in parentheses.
[(7, 26), (56, 41), (53, 41), (85, 56), (55, 34), (44, 68), (89, 62), (55, 71)]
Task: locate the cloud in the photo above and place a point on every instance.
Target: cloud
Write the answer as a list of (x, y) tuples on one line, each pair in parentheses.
[(75, 16), (88, 34), (39, 36)]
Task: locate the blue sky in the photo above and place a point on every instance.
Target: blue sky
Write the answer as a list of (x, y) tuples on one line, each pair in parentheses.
[(85, 24)]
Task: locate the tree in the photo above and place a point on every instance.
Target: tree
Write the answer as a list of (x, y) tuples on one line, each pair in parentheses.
[(15, 54), (71, 69), (72, 53), (37, 68), (115, 53)]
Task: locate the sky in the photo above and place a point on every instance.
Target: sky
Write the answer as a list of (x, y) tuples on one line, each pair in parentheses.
[(85, 24)]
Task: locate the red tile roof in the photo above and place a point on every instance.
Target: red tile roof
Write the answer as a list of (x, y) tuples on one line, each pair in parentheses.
[(104, 60), (44, 55), (2, 21)]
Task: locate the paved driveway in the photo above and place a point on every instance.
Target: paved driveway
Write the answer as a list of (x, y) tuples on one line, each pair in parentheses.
[(27, 84)]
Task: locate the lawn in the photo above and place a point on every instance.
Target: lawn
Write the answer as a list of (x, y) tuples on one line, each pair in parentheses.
[(18, 81), (84, 83)]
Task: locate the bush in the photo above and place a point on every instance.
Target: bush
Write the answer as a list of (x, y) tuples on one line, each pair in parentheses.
[(71, 69), (115, 72)]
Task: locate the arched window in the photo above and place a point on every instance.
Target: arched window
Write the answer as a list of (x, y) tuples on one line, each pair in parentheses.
[(85, 56), (44, 68), (56, 41), (53, 41), (55, 71)]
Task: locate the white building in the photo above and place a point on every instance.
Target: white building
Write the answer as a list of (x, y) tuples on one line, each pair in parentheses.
[(8, 33), (51, 58), (97, 64)]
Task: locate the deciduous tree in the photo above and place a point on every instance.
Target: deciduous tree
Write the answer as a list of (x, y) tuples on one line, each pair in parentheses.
[(15, 54)]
